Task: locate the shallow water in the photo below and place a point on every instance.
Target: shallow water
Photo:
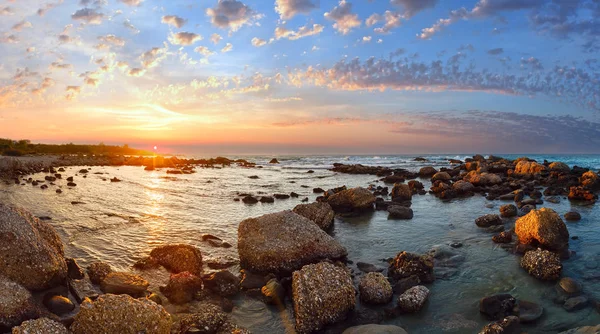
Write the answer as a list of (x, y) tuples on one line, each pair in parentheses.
[(121, 222)]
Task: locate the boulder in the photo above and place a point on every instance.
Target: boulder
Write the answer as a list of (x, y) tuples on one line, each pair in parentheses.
[(274, 161), (482, 179), (572, 216), (16, 304), (529, 167), (97, 271), (40, 326), (282, 242), (441, 176), (375, 329), (582, 194), (124, 283), (488, 220), (498, 306), (121, 314), (374, 288), (508, 210), (543, 227), (207, 318), (560, 167), (353, 200), (401, 192), (182, 287), (529, 311), (407, 264), (576, 303), (542, 264), (322, 294), (502, 238), (58, 304), (223, 283), (569, 286), (508, 325), (179, 258), (250, 200), (399, 212), (463, 187), (427, 171), (31, 252), (320, 213), (413, 299), (590, 180)]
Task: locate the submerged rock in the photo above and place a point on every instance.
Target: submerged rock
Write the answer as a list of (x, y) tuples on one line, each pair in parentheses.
[(179, 258), (498, 306), (322, 294), (408, 264), (543, 227), (572, 216), (121, 314), (283, 242), (31, 252), (569, 286), (399, 212), (223, 282), (508, 325), (488, 220), (502, 238), (375, 329), (40, 326), (583, 330), (413, 299), (319, 212), (374, 288), (16, 304), (529, 312), (576, 303), (355, 200), (542, 264)]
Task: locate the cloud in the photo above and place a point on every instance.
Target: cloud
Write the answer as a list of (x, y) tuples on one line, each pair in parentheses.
[(203, 50), (304, 31), (5, 11), (64, 38), (23, 24), (153, 57), (258, 42), (72, 92), (184, 38), (391, 19), (45, 84), (366, 39), (43, 10), (411, 7), (112, 39), (228, 47), (127, 24), (466, 47), (174, 20), (136, 72), (373, 20), (132, 2), (342, 15), (531, 63), (287, 9), (60, 66), (215, 38), (231, 14), (9, 39), (24, 73), (88, 15), (496, 51), (30, 49)]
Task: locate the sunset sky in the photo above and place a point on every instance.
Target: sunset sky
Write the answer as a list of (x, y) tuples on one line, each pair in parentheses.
[(304, 76)]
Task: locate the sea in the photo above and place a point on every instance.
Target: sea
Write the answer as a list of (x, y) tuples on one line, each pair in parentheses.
[(121, 222)]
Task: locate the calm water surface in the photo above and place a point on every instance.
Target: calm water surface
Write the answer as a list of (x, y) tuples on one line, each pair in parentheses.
[(121, 222)]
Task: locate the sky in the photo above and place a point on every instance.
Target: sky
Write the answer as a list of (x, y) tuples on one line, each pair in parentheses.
[(304, 76)]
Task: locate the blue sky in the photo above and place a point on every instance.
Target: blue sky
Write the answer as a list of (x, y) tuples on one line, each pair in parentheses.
[(304, 76)]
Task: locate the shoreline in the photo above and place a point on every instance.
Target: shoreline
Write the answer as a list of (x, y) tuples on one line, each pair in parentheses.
[(524, 182)]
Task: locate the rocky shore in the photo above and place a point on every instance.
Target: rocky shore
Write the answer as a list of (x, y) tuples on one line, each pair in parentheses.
[(291, 259)]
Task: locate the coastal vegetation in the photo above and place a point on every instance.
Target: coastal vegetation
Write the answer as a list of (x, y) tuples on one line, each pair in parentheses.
[(10, 147)]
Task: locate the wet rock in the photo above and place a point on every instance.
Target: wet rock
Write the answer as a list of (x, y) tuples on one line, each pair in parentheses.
[(182, 287), (97, 271), (249, 200), (543, 227), (179, 258), (401, 192), (529, 167), (508, 325), (558, 166), (121, 314), (367, 267), (415, 186), (427, 171), (399, 212), (206, 319), (16, 304), (40, 326), (406, 283), (482, 179), (375, 329), (553, 199), (441, 176), (74, 271), (82, 289), (318, 212), (58, 304), (582, 194), (322, 294), (463, 187), (355, 200), (124, 283), (254, 177), (508, 210), (374, 288), (569, 286), (224, 283), (590, 180), (498, 306), (529, 312), (273, 292), (274, 161), (502, 238), (488, 220), (413, 299), (267, 199), (283, 242), (542, 264), (251, 280), (583, 330), (576, 303), (31, 252), (572, 216), (318, 190), (281, 196), (146, 263), (408, 264)]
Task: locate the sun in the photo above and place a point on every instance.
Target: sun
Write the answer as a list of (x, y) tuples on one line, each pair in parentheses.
[(155, 148)]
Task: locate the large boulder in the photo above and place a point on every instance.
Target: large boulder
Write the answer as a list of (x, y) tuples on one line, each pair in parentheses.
[(374, 288), (16, 304), (427, 171), (590, 180), (319, 212), (542, 264), (31, 252), (322, 294), (283, 242), (558, 166), (488, 220), (482, 179), (543, 227), (529, 167), (407, 264), (463, 187), (399, 212), (179, 258), (413, 299), (401, 192), (353, 200), (441, 176), (207, 318), (40, 326), (508, 210), (182, 287), (121, 314)]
